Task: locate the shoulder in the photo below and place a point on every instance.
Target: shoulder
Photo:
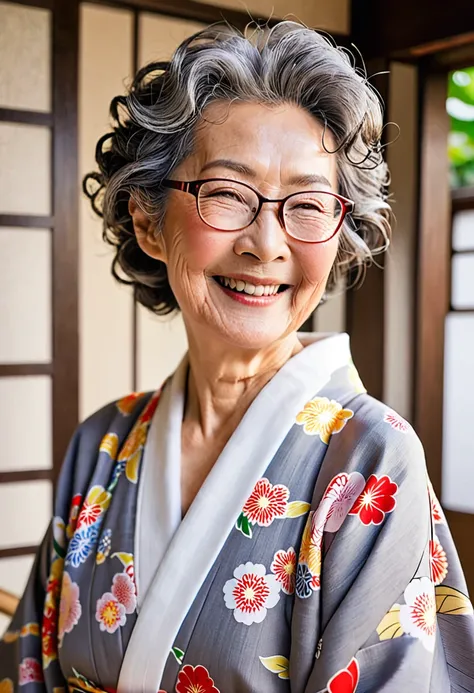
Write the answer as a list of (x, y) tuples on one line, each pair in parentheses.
[(381, 440), (116, 419)]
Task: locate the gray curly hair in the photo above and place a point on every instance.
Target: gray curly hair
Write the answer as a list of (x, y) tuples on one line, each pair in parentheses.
[(155, 122)]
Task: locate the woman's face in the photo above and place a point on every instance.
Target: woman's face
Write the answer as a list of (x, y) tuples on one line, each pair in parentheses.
[(277, 150)]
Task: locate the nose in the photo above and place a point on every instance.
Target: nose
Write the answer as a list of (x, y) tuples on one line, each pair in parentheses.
[(265, 239)]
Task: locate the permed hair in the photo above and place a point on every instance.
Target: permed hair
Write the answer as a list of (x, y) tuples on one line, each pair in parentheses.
[(155, 122)]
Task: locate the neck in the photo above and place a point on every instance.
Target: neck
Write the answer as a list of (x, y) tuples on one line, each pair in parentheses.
[(223, 380)]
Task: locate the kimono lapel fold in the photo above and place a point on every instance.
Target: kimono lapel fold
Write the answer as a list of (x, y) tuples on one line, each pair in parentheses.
[(201, 535)]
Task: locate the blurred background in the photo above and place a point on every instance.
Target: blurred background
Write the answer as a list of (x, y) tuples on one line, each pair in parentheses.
[(71, 339)]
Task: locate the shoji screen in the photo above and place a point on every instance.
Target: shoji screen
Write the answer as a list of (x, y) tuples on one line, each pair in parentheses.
[(105, 307), (122, 346), (31, 236), (458, 472)]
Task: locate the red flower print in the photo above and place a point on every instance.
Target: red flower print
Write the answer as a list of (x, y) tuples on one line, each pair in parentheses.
[(266, 502), (436, 512), (376, 500), (346, 680), (438, 562), (73, 514), (195, 680), (397, 422), (30, 671), (284, 569)]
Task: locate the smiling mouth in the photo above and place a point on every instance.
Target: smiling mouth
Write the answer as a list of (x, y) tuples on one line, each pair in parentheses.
[(239, 286)]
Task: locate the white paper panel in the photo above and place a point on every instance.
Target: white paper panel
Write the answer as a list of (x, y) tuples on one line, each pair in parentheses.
[(25, 511), (161, 345), (25, 423), (159, 36), (25, 57), (321, 14), (14, 573), (25, 295), (463, 230), (25, 169), (462, 291), (458, 443), (105, 307)]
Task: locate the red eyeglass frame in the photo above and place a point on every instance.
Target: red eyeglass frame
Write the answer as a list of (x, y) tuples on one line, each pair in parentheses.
[(194, 186)]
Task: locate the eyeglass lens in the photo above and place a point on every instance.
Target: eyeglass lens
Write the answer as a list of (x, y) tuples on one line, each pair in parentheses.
[(229, 206)]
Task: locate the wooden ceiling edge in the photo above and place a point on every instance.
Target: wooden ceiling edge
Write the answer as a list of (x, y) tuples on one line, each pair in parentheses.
[(207, 13)]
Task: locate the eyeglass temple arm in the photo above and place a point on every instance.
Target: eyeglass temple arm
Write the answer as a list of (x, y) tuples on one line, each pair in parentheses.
[(176, 184)]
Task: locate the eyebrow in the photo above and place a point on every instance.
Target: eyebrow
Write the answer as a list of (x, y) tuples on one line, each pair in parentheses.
[(243, 169)]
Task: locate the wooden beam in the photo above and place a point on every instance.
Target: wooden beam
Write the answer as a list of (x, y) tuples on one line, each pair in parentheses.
[(65, 237), (26, 221), (16, 551), (192, 10), (8, 370), (398, 28), (365, 307), (12, 115), (434, 255), (25, 475)]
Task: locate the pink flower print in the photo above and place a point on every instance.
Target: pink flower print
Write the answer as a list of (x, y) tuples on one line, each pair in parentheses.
[(340, 496), (266, 502), (30, 671), (123, 590), (110, 613), (284, 569), (397, 422), (70, 609)]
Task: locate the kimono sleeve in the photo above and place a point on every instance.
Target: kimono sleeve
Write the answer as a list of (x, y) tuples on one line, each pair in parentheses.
[(393, 611), (29, 648)]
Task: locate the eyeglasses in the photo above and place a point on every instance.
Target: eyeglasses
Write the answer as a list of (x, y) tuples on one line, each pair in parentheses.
[(313, 216)]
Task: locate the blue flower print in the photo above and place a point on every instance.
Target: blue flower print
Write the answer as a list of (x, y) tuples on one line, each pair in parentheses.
[(81, 545), (303, 581)]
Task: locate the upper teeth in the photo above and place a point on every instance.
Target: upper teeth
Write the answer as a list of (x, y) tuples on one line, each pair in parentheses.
[(252, 289)]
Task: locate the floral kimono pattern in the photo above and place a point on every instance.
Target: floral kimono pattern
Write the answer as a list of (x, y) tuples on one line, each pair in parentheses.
[(337, 573)]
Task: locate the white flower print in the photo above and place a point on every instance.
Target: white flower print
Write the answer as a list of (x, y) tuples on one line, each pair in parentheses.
[(418, 614), (251, 593)]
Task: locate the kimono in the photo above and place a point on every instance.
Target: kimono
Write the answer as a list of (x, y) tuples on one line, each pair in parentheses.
[(315, 557)]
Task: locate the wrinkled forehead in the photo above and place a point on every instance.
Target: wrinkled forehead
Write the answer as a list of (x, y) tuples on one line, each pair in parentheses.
[(273, 140)]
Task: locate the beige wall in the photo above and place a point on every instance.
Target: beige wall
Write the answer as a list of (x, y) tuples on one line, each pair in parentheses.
[(331, 15)]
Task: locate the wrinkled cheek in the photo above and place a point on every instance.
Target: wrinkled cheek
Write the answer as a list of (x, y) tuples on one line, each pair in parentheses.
[(316, 262)]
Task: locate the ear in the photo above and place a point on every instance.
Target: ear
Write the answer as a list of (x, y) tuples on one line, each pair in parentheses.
[(149, 241)]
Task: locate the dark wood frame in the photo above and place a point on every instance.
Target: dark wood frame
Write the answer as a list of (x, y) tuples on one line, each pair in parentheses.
[(63, 224), (365, 305)]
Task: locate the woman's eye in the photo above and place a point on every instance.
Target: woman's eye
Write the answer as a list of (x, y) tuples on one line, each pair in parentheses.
[(309, 206), (227, 194)]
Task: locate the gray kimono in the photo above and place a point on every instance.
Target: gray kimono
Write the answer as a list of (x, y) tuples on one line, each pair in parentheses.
[(315, 557)]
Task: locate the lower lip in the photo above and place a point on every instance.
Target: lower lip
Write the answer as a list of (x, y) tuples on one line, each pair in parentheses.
[(249, 300)]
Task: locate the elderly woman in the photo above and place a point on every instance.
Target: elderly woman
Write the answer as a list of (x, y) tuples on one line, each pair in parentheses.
[(259, 524)]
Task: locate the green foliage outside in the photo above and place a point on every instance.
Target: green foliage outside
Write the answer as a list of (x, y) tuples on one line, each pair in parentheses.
[(460, 106)]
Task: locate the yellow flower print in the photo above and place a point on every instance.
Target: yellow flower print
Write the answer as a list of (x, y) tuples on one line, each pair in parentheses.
[(127, 404), (310, 550), (323, 417), (134, 442), (6, 686), (109, 445)]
